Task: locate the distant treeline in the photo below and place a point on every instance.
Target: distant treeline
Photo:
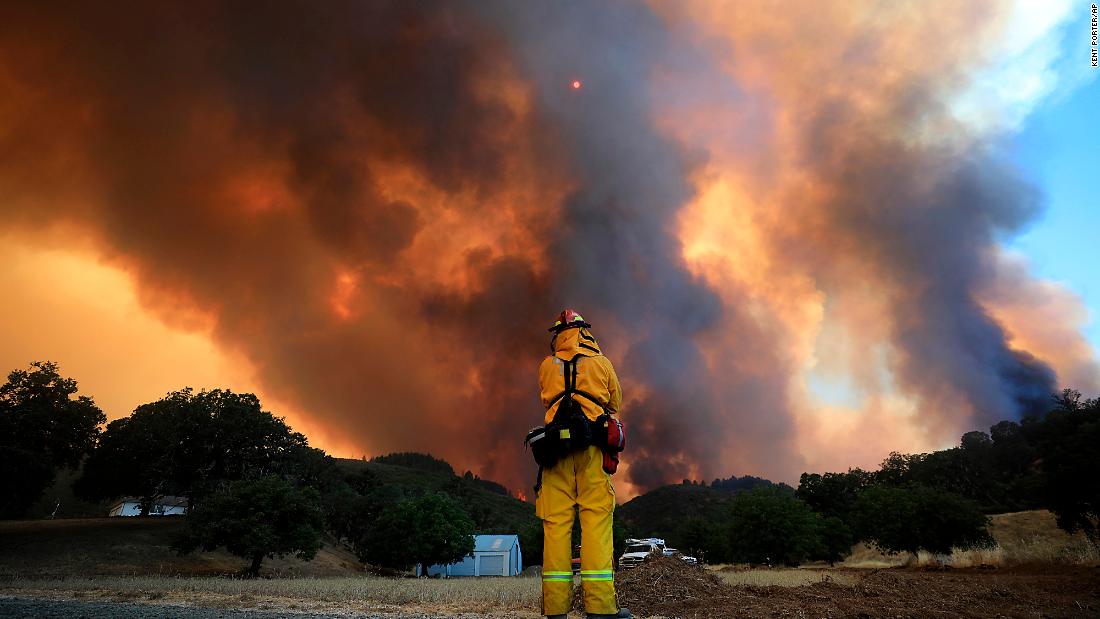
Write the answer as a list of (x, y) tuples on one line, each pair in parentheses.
[(933, 501), (257, 488)]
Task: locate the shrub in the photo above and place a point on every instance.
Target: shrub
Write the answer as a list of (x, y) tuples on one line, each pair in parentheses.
[(915, 517), (770, 525), (255, 519), (429, 530)]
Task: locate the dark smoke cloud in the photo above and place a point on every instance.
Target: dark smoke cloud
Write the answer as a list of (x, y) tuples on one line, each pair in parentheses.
[(922, 225), (147, 123), (180, 102), (614, 249)]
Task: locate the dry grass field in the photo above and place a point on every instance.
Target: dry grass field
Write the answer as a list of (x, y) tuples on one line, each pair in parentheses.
[(304, 594), (1034, 537), (481, 594), (786, 577)]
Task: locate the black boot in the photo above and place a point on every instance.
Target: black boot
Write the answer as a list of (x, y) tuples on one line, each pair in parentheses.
[(566, 616), (622, 614)]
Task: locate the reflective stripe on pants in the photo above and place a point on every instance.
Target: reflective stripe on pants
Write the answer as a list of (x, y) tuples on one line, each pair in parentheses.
[(578, 480)]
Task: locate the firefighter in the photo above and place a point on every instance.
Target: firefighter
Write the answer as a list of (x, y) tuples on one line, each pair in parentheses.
[(578, 480)]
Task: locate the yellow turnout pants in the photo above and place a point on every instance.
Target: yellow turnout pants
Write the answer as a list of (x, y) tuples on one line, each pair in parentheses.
[(577, 480)]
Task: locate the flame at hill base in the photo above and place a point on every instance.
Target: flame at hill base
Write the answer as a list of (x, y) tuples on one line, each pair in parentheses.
[(383, 205)]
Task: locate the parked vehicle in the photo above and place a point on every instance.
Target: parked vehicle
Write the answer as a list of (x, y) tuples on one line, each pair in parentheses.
[(672, 552), (637, 550)]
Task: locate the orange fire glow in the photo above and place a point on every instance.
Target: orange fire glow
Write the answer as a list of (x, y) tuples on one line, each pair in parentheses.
[(380, 228)]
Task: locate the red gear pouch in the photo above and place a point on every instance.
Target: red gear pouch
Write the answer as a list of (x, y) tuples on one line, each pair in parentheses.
[(610, 462), (616, 435), (616, 442)]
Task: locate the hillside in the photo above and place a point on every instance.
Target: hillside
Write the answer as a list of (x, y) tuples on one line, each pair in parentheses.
[(662, 511), (492, 511), (1023, 538), (1034, 537)]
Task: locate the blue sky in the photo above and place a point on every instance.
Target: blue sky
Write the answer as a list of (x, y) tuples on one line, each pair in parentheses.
[(1058, 148)]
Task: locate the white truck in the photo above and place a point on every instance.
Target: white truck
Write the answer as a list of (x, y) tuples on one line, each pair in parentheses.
[(637, 550)]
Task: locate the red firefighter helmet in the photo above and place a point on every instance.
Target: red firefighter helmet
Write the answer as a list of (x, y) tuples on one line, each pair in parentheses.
[(569, 319)]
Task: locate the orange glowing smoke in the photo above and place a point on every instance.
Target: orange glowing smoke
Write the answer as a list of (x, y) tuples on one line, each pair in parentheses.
[(788, 222), (381, 217)]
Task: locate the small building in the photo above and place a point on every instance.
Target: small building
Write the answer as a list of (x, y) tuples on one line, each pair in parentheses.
[(494, 555), (163, 506)]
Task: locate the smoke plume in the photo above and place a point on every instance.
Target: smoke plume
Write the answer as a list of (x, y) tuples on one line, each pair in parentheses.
[(383, 205)]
